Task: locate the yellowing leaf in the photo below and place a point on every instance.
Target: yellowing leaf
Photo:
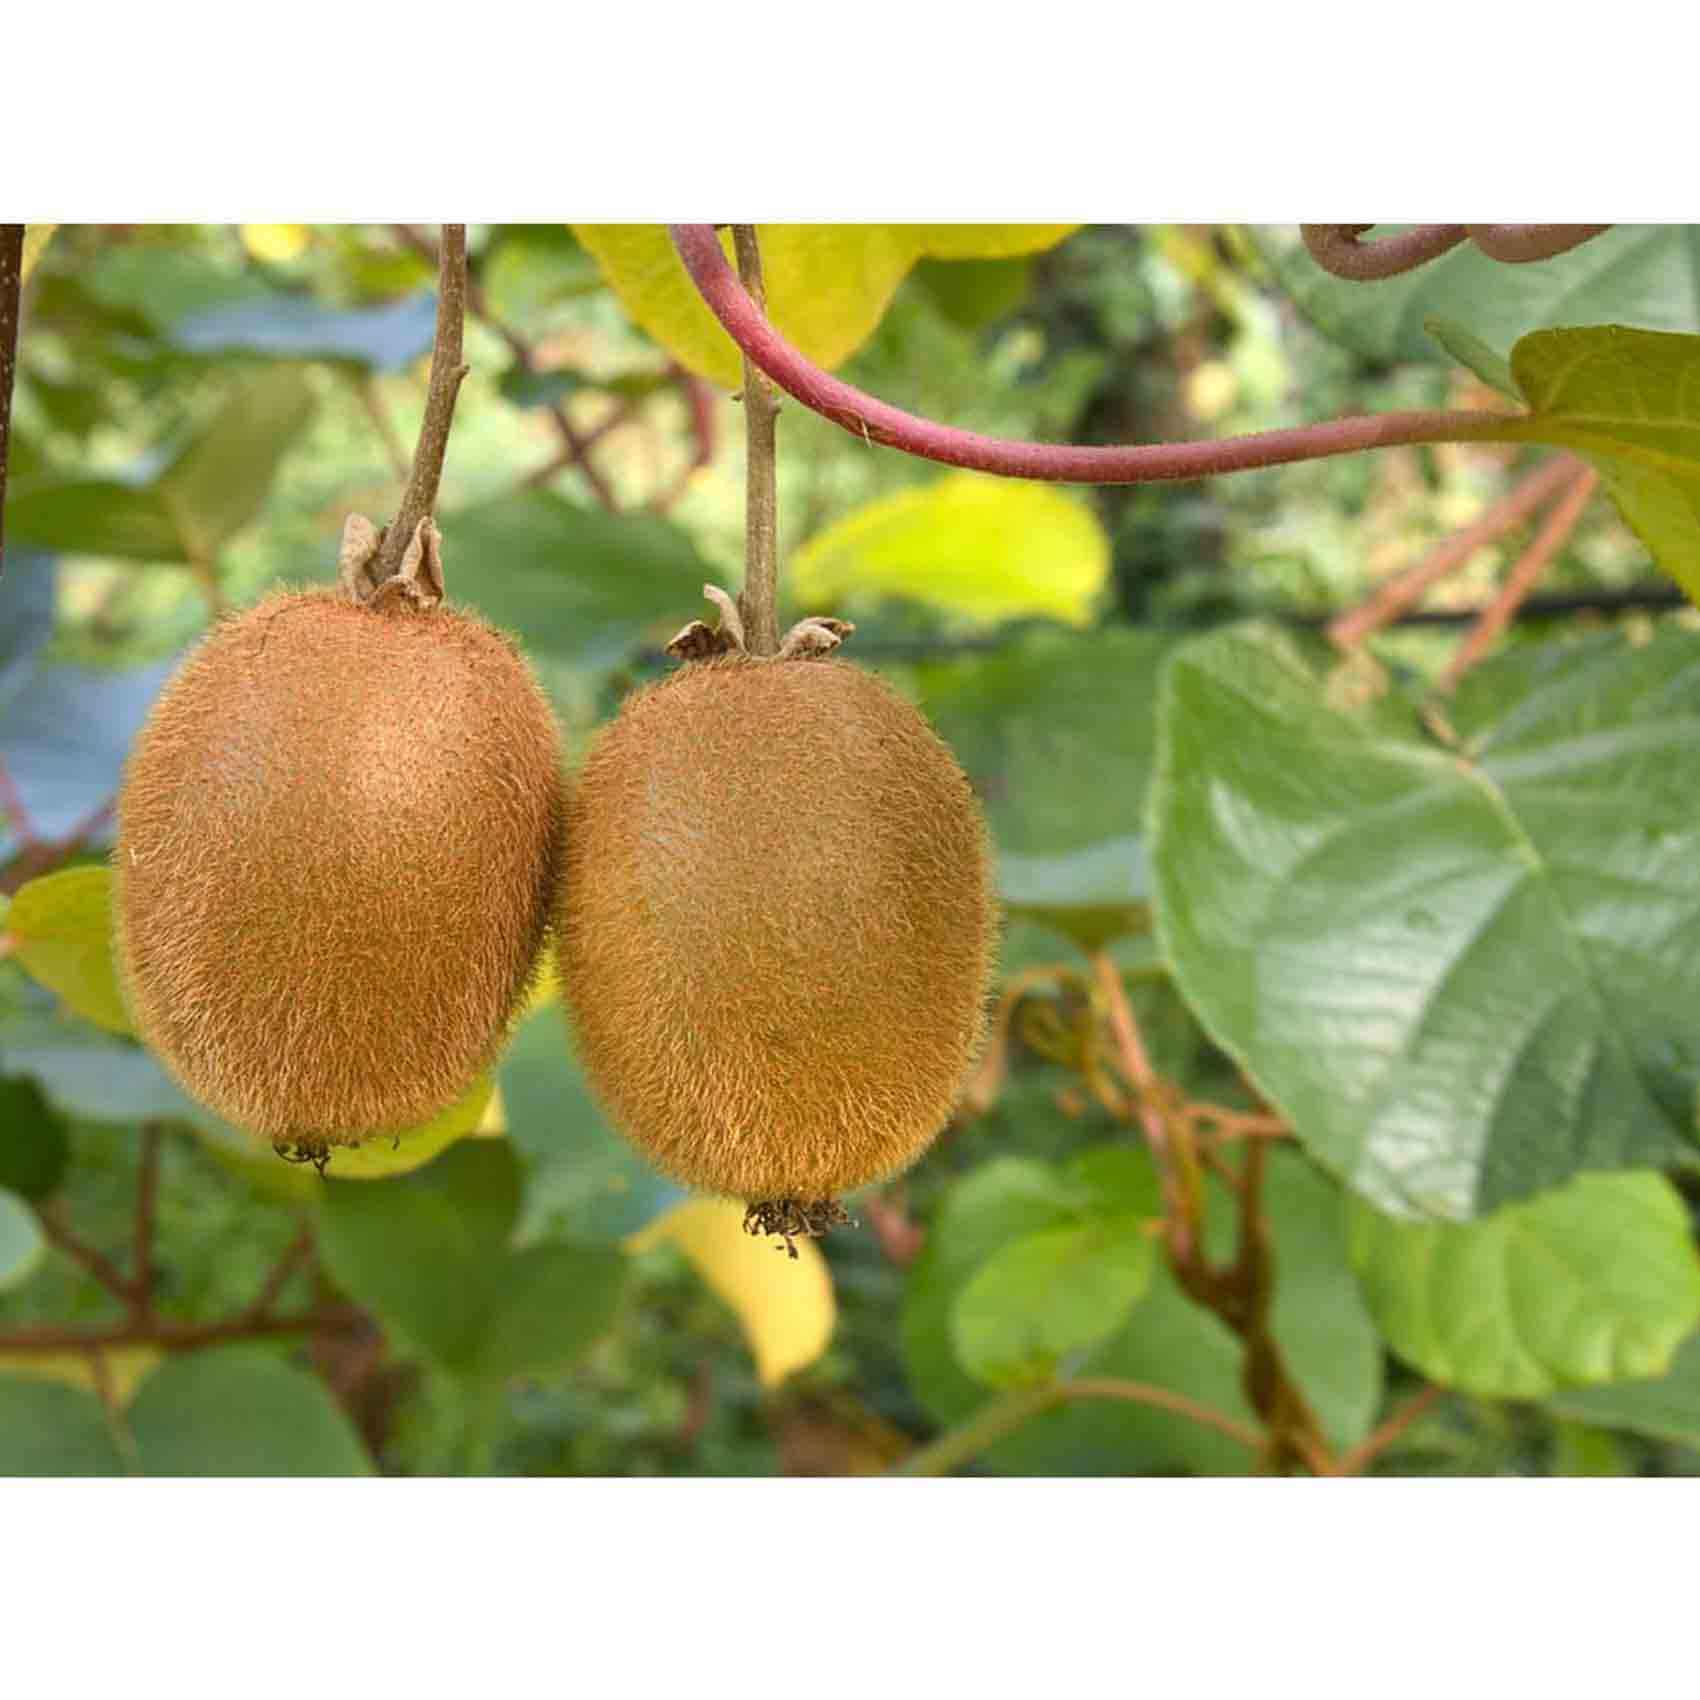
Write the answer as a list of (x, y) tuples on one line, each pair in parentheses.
[(398, 1154), (62, 928), (493, 1124), (125, 1367), (785, 1305), (36, 238), (990, 548), (986, 241), (276, 243)]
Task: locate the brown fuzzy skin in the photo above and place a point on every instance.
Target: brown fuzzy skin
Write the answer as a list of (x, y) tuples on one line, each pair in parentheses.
[(338, 837), (777, 926)]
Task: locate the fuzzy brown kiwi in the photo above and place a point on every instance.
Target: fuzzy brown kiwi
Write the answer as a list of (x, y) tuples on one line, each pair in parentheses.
[(338, 838), (776, 929)]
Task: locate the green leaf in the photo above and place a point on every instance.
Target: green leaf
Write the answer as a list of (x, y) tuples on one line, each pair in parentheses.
[(165, 283), (426, 1250), (1047, 1295), (86, 1073), (401, 1153), (62, 925), (1628, 401), (553, 1303), (34, 1146), (95, 516), (240, 1411), (988, 548), (29, 594), (1647, 275), (585, 1181), (1464, 976), (574, 582), (1319, 1317), (1057, 737), (1167, 1340), (386, 338), (1469, 350), (975, 293), (21, 1244), (50, 1430), (1667, 1407), (218, 485), (827, 285), (1595, 1282)]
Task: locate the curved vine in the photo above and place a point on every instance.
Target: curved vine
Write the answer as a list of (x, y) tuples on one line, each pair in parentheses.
[(1342, 252)]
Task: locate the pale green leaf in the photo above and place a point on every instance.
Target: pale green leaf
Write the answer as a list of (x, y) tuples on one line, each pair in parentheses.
[(62, 928), (21, 1244)]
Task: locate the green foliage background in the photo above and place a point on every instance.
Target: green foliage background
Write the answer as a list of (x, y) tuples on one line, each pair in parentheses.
[(1456, 955)]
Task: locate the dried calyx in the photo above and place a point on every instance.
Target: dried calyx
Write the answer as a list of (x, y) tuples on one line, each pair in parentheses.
[(699, 641)]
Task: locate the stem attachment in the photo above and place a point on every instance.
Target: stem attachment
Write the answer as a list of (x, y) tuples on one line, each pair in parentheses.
[(759, 602)]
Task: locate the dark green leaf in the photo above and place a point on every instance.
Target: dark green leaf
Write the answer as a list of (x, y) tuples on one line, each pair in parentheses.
[(1667, 1407), (240, 1411), (95, 516), (975, 293), (34, 1147), (574, 582), (553, 1303), (165, 284), (540, 389), (1463, 976), (50, 1430)]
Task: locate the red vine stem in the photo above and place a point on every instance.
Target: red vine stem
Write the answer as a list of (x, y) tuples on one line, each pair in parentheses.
[(876, 421), (1522, 578)]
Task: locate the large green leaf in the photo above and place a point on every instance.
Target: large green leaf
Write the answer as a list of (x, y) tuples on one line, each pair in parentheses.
[(1044, 1296), (1646, 275), (989, 548), (62, 928), (573, 582), (1630, 401), (426, 1250), (553, 1302), (1595, 1282), (1667, 1407), (1167, 1340), (21, 1244), (50, 1430), (1319, 1317), (827, 285), (1057, 736), (1464, 975), (87, 1073), (240, 1411)]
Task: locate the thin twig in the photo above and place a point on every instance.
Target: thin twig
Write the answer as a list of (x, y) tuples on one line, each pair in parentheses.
[(419, 499), (1391, 599), (758, 602), (11, 295), (1341, 251), (1366, 1452), (1522, 578), (1003, 1416), (12, 806), (84, 1255), (294, 1255), (182, 1336), (147, 1198)]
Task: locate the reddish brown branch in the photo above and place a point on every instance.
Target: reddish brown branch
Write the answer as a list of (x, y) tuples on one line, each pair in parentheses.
[(181, 1336), (1522, 578), (147, 1199), (295, 1254), (1391, 599), (92, 1261), (1361, 1456), (1519, 244), (1341, 251), (864, 416), (12, 806)]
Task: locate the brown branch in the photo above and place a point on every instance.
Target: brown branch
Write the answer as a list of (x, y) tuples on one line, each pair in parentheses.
[(758, 602), (1519, 244), (11, 297), (1522, 578), (419, 499), (294, 1255), (1354, 1462), (182, 1336), (12, 806), (1391, 599), (92, 1261), (699, 397)]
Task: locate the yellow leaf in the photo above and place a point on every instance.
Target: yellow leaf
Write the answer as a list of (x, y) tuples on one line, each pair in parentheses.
[(786, 1306), (276, 243), (494, 1122), (986, 241), (990, 548), (398, 1154), (125, 1365), (62, 928), (36, 238), (827, 286)]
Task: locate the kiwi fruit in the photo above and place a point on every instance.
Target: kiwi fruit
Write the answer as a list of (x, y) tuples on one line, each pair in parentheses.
[(776, 928), (337, 844)]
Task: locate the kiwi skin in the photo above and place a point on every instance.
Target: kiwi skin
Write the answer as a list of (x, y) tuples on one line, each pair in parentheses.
[(337, 844), (777, 926)]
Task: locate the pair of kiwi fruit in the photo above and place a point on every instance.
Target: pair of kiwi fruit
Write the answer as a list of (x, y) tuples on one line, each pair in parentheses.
[(344, 837)]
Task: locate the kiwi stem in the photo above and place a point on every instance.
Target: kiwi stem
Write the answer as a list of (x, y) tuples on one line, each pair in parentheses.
[(11, 290), (759, 600), (419, 499)]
